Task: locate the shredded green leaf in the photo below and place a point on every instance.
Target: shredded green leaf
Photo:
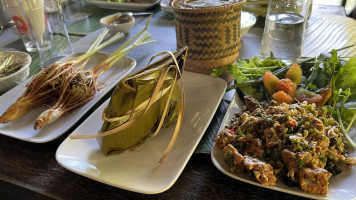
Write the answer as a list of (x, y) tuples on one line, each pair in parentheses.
[(229, 157), (344, 95)]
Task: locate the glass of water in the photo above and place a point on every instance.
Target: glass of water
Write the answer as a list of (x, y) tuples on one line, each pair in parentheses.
[(285, 29)]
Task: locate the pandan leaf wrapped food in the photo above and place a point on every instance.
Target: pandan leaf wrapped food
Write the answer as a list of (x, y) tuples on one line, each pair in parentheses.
[(142, 103)]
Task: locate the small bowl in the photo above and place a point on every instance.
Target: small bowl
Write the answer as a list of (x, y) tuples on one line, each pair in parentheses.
[(12, 58), (247, 21), (118, 22)]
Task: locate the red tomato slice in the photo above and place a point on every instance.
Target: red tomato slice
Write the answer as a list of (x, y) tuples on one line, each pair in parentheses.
[(305, 95)]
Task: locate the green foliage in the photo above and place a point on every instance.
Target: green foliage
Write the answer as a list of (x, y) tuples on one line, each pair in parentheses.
[(330, 70), (250, 69), (346, 78), (229, 157), (301, 163)]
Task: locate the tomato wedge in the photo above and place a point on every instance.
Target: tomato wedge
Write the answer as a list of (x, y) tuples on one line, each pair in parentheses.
[(305, 95)]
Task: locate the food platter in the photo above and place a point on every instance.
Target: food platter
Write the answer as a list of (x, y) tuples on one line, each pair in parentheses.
[(139, 170), (23, 128), (340, 187), (318, 39), (124, 6)]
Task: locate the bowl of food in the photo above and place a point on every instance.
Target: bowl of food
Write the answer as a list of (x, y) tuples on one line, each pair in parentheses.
[(247, 21), (14, 69), (118, 22)]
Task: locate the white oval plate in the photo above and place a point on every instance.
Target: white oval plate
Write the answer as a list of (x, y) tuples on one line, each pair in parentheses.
[(139, 170), (340, 187), (23, 128)]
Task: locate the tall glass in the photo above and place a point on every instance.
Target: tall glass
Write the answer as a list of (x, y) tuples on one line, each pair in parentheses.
[(51, 6), (41, 31), (285, 29), (56, 18), (77, 11), (32, 23)]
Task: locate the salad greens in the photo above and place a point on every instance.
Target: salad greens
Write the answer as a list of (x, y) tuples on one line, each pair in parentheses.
[(247, 70), (327, 70), (330, 70)]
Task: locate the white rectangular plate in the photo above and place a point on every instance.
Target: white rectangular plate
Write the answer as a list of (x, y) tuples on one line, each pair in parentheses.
[(23, 128), (341, 186), (124, 6), (139, 170)]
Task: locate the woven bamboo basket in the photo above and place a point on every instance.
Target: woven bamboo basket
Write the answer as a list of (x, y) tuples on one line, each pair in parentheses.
[(212, 34)]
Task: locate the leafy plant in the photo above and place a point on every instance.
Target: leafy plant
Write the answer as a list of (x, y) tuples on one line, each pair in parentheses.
[(247, 71), (327, 70)]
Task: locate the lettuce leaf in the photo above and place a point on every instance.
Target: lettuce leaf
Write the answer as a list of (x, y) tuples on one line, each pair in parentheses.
[(345, 81), (346, 78), (250, 69)]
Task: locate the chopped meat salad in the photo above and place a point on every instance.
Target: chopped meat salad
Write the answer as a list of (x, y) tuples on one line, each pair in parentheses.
[(296, 143)]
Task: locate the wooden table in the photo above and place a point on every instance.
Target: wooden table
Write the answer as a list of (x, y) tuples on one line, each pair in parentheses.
[(30, 171)]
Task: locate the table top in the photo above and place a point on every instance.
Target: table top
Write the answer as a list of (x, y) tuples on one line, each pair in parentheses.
[(30, 171)]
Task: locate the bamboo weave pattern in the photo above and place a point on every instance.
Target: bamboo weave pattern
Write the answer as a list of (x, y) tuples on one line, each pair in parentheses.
[(211, 33)]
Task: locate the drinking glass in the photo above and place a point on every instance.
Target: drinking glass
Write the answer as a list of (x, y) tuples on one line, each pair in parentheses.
[(56, 18), (40, 28), (51, 6), (285, 29), (76, 12), (32, 23)]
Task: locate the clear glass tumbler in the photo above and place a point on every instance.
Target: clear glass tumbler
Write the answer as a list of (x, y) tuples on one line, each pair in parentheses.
[(31, 22), (77, 11), (285, 29)]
